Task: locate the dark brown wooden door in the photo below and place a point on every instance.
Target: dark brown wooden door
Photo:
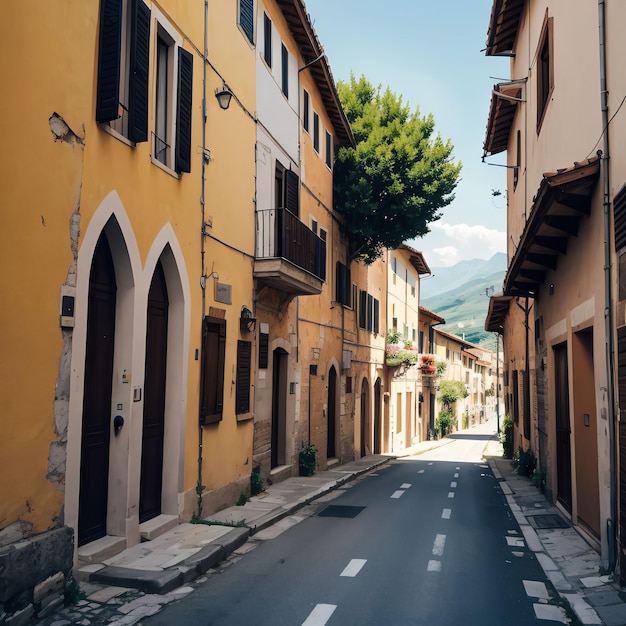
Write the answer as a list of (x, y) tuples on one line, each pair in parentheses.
[(563, 430), (279, 408), (366, 447), (331, 447), (94, 460), (377, 417), (154, 399)]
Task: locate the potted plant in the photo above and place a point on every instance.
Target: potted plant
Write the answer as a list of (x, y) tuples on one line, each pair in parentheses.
[(307, 460)]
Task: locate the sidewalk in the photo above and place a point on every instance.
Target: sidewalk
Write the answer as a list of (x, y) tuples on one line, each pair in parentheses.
[(569, 562), (140, 581)]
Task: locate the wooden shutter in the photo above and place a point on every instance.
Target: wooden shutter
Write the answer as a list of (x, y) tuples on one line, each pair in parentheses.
[(212, 382), (183, 111), (109, 57), (619, 213), (246, 18), (292, 192), (362, 309), (242, 391), (343, 284), (370, 312), (139, 65), (264, 343), (376, 323)]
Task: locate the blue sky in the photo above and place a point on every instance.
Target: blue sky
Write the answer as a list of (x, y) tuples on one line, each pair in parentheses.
[(431, 53)]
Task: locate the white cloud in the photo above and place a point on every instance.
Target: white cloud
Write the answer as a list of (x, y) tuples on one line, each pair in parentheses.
[(447, 255), (451, 243)]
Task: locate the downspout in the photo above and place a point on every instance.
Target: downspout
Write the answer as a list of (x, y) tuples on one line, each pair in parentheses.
[(608, 298), (200, 486)]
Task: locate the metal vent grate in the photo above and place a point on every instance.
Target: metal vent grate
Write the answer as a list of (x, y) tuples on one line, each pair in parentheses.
[(336, 510), (547, 521)]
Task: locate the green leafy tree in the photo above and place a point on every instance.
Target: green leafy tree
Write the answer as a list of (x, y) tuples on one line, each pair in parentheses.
[(399, 176)]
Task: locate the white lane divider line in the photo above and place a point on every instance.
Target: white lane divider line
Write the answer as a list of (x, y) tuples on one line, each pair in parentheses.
[(446, 514), (430, 463), (420, 472), (319, 615), (453, 484), (438, 546), (450, 494), (434, 566), (405, 486), (457, 468), (456, 475), (397, 494), (354, 567)]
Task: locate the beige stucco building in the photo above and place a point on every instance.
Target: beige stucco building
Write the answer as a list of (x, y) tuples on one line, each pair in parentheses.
[(559, 120)]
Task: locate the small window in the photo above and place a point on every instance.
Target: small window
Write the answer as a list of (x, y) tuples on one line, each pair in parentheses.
[(163, 121), (284, 55), (329, 150), (545, 74), (242, 391), (343, 285), (316, 132), (394, 323), (267, 39), (413, 291), (306, 112), (246, 18), (355, 292), (518, 161), (362, 309)]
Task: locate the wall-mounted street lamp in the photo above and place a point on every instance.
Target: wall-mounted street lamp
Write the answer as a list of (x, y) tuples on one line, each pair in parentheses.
[(246, 321), (223, 96)]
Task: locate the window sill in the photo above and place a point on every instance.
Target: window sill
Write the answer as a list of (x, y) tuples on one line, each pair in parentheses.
[(110, 131), (244, 417), (165, 168)]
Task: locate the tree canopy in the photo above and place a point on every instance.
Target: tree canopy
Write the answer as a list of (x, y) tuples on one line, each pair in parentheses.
[(399, 176)]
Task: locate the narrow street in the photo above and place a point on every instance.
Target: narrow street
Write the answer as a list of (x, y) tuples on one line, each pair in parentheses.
[(425, 540)]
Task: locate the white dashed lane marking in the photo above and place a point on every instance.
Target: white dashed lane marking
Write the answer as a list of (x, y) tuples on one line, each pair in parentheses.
[(320, 615), (438, 546), (354, 567), (434, 566), (421, 472), (453, 484), (397, 494), (446, 514), (451, 494), (405, 486), (456, 475)]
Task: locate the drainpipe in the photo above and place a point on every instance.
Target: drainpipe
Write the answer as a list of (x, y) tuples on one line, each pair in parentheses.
[(608, 298), (200, 486)]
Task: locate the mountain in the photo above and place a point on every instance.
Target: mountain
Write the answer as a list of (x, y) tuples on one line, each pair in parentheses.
[(458, 294)]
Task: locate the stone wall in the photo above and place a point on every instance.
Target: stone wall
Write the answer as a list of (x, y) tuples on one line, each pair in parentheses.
[(34, 574)]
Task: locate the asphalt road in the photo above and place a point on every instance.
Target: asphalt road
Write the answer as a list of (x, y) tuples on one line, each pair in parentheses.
[(424, 541)]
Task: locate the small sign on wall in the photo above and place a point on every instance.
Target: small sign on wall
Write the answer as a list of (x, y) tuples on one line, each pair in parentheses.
[(223, 293)]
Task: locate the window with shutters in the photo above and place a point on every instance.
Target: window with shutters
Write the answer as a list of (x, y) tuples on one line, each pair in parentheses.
[(246, 18), (316, 132), (173, 76), (343, 284), (242, 390), (545, 71), (306, 110), (267, 39), (286, 189), (123, 63), (212, 378), (329, 150), (284, 57)]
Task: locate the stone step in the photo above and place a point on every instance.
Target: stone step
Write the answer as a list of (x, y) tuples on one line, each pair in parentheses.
[(157, 526)]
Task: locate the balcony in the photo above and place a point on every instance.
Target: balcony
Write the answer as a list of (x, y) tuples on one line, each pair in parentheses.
[(289, 256)]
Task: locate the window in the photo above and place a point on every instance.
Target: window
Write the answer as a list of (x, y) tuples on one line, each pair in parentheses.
[(242, 391), (329, 150), (267, 39), (362, 309), (212, 381), (343, 284), (122, 90), (246, 18), (420, 344), (306, 112), (545, 75), (413, 291), (369, 313), (316, 132), (264, 344), (518, 161), (394, 323), (284, 56)]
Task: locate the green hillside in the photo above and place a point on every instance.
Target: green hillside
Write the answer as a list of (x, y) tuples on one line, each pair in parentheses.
[(465, 309)]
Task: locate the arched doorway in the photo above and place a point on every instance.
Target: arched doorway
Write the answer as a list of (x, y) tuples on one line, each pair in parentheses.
[(96, 410), (377, 416), (366, 444), (151, 482), (331, 436), (279, 407)]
